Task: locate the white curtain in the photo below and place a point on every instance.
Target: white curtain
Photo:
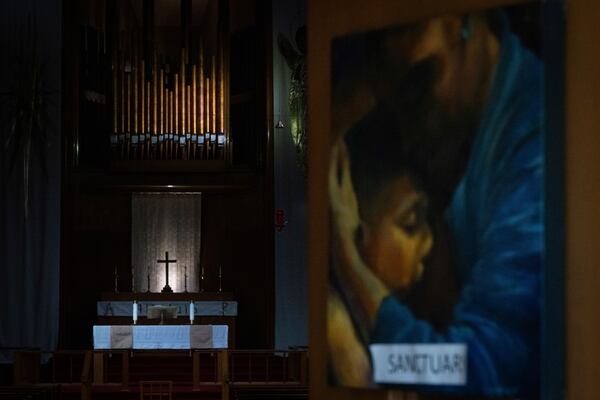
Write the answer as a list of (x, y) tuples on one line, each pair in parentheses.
[(163, 223)]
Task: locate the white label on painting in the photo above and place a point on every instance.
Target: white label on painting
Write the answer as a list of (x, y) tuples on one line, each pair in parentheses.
[(114, 139), (161, 138), (154, 139), (142, 137), (423, 364)]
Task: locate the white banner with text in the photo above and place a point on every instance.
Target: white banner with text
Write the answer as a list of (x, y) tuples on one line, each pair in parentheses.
[(420, 363)]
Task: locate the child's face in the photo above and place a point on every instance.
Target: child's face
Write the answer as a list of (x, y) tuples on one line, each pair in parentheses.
[(396, 236)]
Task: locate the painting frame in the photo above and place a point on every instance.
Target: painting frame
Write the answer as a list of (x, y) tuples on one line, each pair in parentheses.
[(328, 20)]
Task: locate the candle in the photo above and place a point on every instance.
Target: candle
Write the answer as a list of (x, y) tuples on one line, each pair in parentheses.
[(135, 315), (192, 311)]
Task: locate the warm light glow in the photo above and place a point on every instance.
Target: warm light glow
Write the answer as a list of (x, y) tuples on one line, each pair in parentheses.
[(164, 222), (162, 95), (208, 102), (115, 98), (155, 99), (184, 127), (202, 91), (148, 125), (143, 99), (176, 103), (221, 93), (183, 95), (195, 117), (128, 103), (214, 94)]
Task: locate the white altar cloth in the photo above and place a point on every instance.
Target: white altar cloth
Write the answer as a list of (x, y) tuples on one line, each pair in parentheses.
[(157, 336)]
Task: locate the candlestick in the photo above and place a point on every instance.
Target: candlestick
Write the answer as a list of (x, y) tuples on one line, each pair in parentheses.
[(192, 312), (220, 280), (135, 312), (116, 280), (148, 273), (202, 279), (185, 276)]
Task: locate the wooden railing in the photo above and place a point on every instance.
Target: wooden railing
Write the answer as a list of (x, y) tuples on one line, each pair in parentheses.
[(224, 368), (268, 366), (86, 380)]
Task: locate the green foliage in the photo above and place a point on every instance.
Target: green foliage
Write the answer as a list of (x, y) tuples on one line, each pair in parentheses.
[(28, 99), (295, 58)]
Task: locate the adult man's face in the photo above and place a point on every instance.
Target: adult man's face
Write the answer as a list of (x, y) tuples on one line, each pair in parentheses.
[(435, 82)]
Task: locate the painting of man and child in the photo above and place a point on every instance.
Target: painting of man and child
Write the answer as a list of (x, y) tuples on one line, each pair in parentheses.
[(435, 184)]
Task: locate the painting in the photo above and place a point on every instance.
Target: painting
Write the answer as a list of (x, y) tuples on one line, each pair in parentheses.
[(436, 194)]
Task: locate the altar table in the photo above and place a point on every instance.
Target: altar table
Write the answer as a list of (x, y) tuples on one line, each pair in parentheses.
[(160, 336), (201, 308)]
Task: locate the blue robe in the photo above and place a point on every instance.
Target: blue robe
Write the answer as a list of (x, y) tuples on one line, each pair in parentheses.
[(496, 219)]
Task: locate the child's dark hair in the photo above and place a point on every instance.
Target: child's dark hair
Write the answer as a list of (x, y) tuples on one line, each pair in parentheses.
[(378, 153)]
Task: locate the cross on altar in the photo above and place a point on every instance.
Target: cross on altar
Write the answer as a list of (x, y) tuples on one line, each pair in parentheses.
[(166, 261)]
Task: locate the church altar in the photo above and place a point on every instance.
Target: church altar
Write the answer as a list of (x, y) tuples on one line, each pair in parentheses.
[(210, 308), (152, 337), (201, 308)]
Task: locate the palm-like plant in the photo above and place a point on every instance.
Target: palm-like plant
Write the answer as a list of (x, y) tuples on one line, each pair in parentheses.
[(295, 57), (28, 99)]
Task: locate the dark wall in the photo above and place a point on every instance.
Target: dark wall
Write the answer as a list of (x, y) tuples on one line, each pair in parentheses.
[(290, 185)]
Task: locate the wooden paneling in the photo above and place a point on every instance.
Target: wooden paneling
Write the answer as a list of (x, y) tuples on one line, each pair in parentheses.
[(583, 198)]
